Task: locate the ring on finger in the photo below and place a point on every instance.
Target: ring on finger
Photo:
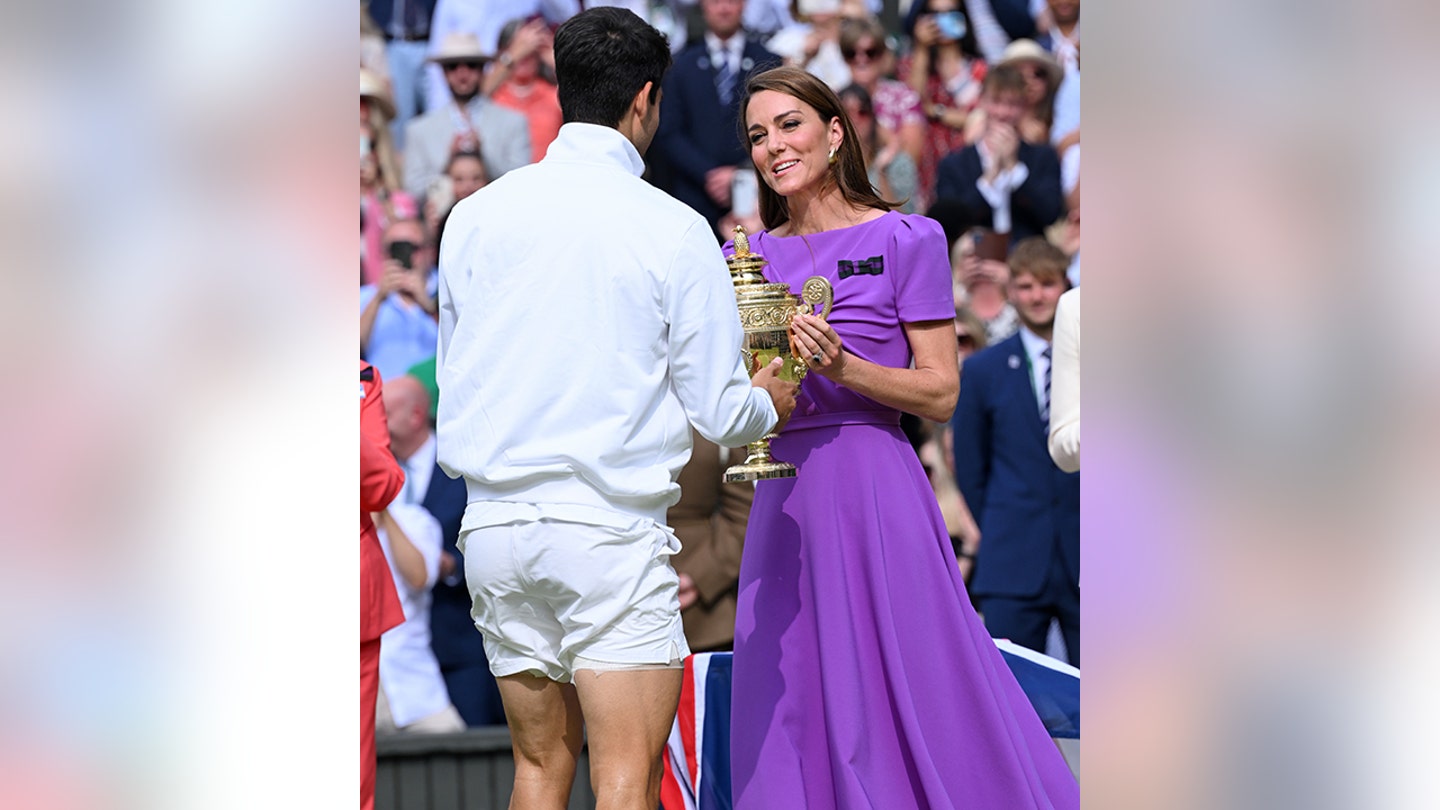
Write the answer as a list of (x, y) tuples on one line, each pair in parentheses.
[(816, 358)]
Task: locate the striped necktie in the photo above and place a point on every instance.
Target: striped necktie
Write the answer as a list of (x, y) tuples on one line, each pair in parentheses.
[(1045, 409), (724, 76)]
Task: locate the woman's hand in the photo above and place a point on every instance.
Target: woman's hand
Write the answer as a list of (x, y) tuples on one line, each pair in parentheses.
[(927, 33), (815, 341)]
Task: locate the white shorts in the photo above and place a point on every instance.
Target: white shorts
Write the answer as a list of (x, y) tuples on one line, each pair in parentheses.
[(548, 592)]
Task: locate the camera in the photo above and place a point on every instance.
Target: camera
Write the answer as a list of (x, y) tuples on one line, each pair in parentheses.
[(952, 25)]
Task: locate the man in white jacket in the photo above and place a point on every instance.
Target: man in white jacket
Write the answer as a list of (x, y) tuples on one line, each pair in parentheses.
[(586, 321)]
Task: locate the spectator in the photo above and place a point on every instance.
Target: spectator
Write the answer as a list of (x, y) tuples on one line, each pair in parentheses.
[(897, 108), (397, 314), (710, 521), (521, 80), (891, 170), (1042, 78), (380, 481), (381, 199), (1011, 186), (945, 70), (405, 25), (372, 49), (813, 42), (464, 175), (412, 695), (457, 646), (469, 122), (980, 284), (1062, 36), (698, 147), (484, 19), (1028, 511), (994, 22)]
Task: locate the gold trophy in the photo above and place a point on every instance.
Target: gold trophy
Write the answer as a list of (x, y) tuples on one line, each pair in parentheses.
[(765, 312)]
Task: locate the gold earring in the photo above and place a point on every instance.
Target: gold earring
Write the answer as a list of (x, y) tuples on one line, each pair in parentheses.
[(832, 156)]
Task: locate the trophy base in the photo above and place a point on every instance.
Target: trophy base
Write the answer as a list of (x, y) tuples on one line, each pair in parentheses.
[(759, 465), (759, 472)]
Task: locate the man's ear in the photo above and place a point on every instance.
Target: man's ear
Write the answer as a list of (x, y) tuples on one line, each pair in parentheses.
[(641, 103)]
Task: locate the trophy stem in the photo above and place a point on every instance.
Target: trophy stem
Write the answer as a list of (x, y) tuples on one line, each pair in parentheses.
[(759, 464)]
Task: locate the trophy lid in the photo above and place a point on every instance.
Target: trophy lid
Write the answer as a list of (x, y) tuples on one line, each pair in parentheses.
[(745, 266)]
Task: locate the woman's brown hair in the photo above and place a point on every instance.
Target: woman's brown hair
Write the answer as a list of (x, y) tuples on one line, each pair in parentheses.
[(848, 172)]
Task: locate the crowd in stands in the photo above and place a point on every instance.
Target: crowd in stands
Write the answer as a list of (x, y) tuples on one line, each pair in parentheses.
[(967, 112)]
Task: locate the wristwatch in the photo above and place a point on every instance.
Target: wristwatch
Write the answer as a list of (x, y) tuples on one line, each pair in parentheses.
[(507, 60)]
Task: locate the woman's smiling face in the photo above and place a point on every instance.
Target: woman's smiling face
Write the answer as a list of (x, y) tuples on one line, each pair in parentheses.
[(789, 144)]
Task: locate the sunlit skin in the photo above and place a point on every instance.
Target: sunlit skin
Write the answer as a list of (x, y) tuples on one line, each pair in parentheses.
[(467, 175), (790, 145), (1035, 301)]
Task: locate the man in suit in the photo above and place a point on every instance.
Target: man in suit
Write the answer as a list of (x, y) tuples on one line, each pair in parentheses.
[(469, 123), (1028, 567), (459, 648), (710, 521), (380, 481), (1000, 181), (698, 146)]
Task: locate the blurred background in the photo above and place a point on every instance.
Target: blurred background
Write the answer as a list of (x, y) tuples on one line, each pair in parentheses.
[(179, 587)]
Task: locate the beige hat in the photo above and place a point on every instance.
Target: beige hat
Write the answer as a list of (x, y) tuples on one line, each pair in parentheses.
[(1028, 50), (460, 48), (374, 90)]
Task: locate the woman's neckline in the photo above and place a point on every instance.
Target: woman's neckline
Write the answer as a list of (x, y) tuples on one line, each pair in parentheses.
[(861, 223)]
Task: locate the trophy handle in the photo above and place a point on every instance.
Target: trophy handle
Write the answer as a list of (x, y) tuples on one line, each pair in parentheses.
[(818, 297)]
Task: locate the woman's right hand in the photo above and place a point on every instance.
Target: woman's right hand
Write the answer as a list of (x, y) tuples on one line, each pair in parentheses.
[(927, 33)]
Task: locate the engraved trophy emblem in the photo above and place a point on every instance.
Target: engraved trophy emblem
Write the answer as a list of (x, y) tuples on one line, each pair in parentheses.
[(765, 313)]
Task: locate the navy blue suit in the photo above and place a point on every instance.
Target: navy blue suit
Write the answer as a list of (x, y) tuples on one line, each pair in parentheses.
[(1028, 510), (697, 133), (1034, 206), (458, 646)]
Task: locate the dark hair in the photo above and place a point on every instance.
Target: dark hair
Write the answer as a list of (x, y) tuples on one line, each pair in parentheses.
[(854, 29), (849, 169), (867, 106), (603, 57), (456, 157), (1003, 79), (968, 44)]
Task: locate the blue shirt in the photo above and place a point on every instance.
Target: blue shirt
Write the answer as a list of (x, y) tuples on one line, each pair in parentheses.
[(404, 334)]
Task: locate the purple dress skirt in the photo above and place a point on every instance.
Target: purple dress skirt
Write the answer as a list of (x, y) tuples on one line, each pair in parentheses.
[(863, 678)]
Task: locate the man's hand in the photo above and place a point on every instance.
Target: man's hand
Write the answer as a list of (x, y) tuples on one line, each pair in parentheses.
[(689, 594), (392, 280), (717, 184), (447, 564), (1003, 143), (974, 270), (782, 393)]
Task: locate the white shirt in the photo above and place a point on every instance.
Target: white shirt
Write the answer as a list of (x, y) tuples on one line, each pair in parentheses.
[(586, 320), (1034, 345), (730, 51), (998, 192), (409, 673), (418, 469)]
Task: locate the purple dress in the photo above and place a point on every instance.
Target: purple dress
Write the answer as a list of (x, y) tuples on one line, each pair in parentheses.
[(863, 678)]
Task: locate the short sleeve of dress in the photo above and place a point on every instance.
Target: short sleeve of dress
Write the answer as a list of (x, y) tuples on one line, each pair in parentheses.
[(923, 290)]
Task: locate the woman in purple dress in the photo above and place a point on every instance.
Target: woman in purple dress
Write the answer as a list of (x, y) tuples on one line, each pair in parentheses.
[(863, 679)]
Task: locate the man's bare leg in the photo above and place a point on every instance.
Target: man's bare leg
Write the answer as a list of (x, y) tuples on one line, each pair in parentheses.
[(544, 719), (628, 715)]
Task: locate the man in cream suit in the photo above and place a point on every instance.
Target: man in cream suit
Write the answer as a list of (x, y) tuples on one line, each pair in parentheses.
[(1065, 386), (469, 123)]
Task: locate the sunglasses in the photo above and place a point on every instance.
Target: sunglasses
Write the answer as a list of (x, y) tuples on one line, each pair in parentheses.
[(449, 66), (872, 53)]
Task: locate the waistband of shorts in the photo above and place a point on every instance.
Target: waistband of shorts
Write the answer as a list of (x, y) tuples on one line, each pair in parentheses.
[(562, 492), (824, 420)]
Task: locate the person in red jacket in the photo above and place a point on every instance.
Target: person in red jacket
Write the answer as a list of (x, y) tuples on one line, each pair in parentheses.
[(380, 481)]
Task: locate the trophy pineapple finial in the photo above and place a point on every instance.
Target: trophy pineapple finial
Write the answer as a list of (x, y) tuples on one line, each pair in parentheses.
[(742, 242)]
